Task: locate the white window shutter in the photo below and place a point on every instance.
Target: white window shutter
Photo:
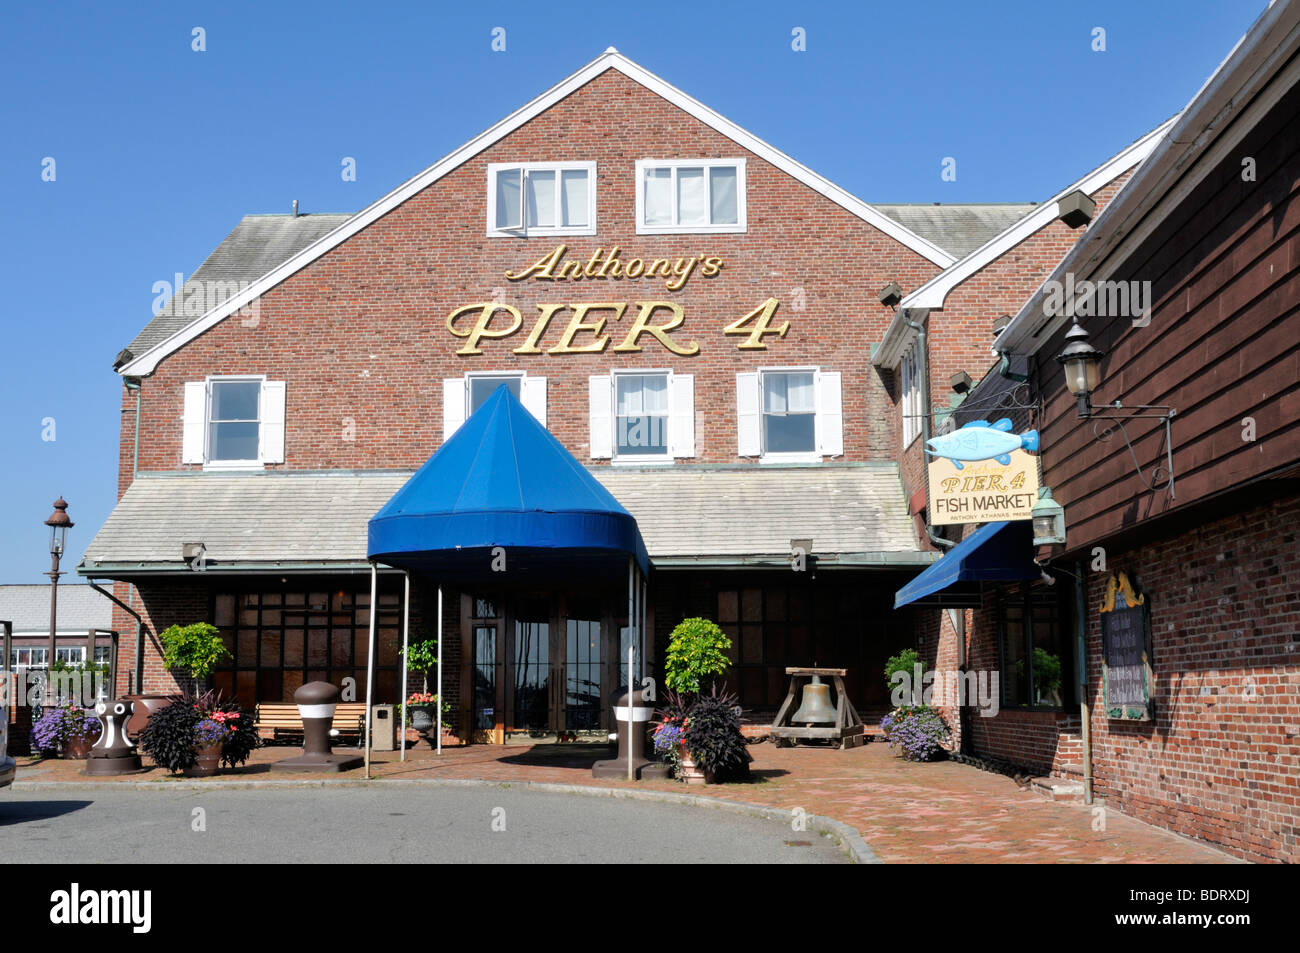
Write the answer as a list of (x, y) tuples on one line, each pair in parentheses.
[(681, 419), (272, 429), (748, 415), (195, 421), (600, 404), (830, 414), (532, 392), (453, 406)]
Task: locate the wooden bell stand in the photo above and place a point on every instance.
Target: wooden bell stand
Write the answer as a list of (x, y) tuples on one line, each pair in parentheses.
[(847, 731)]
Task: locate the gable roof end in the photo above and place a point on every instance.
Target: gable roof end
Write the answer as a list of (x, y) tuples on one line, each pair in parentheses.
[(147, 362)]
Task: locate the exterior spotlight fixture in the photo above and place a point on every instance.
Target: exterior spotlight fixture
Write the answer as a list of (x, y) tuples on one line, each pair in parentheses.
[(891, 294), (960, 382), (1082, 363), (1049, 519), (1000, 325), (1076, 209)]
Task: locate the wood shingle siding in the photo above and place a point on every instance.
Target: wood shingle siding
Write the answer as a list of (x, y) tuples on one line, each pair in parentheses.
[(1223, 344)]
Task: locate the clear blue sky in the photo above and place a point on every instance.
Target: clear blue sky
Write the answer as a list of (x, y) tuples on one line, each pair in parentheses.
[(159, 149)]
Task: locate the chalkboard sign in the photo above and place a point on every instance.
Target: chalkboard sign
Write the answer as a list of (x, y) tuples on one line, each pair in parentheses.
[(1126, 652)]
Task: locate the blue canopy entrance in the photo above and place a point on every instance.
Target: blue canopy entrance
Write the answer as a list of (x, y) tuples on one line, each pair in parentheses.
[(502, 501), (994, 552)]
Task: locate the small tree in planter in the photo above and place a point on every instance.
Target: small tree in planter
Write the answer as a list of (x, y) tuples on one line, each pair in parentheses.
[(196, 649), (697, 649)]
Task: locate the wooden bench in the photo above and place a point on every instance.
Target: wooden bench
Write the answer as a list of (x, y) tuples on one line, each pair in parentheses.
[(275, 720)]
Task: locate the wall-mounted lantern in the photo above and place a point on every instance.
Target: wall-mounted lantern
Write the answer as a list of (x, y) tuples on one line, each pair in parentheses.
[(1049, 519), (1082, 364)]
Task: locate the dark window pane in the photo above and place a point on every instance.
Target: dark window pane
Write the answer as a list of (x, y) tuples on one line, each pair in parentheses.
[(481, 388), (792, 433), (233, 441)]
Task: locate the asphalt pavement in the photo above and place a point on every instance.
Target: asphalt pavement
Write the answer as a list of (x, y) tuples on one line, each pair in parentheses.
[(374, 824)]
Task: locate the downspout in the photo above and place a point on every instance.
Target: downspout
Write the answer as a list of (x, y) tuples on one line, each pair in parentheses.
[(133, 384), (923, 371), (139, 638), (1081, 664)]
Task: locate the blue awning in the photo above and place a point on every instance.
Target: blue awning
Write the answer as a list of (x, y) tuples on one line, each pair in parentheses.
[(996, 552), (502, 480)]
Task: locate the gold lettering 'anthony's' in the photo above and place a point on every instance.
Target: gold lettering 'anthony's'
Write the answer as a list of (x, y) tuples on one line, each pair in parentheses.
[(580, 324), (553, 266)]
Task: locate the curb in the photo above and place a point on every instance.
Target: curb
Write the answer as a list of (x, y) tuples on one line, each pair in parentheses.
[(845, 836)]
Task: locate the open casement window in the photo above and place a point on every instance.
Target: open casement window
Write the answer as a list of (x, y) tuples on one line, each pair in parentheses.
[(233, 422), (541, 198), (461, 396), (642, 416), (690, 195), (791, 415), (909, 385)]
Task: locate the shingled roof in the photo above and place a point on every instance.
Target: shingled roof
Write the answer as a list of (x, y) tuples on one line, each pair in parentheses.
[(257, 245), (957, 229), (855, 514)]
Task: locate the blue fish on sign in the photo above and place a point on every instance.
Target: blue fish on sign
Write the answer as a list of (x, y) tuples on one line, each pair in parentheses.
[(981, 440)]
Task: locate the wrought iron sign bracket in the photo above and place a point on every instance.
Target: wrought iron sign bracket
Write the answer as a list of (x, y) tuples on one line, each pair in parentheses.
[(1105, 425)]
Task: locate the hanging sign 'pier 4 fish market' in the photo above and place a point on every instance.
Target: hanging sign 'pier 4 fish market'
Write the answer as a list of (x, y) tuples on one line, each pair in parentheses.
[(982, 473), (981, 440)]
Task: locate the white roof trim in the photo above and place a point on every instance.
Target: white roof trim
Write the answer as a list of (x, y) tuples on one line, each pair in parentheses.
[(1246, 85), (932, 295), (147, 362)]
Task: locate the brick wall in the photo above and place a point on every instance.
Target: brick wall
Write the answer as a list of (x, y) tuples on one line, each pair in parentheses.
[(1221, 760), (360, 335)]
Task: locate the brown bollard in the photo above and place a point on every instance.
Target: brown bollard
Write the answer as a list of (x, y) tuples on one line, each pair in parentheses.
[(632, 714), (114, 751), (316, 702)]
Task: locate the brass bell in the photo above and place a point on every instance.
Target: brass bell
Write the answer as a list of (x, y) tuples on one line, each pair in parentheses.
[(815, 706)]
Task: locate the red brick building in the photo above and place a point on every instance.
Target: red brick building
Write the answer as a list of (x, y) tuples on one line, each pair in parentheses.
[(684, 307)]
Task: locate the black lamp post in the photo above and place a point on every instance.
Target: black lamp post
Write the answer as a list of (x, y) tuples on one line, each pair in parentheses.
[(59, 524)]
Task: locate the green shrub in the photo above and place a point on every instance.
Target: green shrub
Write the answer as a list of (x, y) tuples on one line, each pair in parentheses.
[(196, 648), (696, 649), (905, 661)]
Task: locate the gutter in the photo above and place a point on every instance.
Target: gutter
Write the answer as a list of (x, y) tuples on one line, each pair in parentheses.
[(923, 371)]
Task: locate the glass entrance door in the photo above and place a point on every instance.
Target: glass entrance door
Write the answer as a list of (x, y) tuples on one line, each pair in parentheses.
[(531, 678), (582, 666)]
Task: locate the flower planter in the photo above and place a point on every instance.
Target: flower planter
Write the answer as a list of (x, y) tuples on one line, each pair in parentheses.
[(145, 706), (77, 749), (691, 772), (209, 759)]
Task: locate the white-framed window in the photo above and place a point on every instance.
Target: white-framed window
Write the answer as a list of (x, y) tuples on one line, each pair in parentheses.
[(541, 198), (677, 196), (789, 414), (461, 396), (28, 657), (642, 416), (233, 422), (909, 387)]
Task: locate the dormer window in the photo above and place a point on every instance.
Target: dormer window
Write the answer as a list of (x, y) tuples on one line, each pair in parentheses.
[(541, 198)]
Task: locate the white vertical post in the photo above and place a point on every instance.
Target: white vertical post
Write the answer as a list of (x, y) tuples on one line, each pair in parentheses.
[(438, 707), (631, 712), (370, 659), (406, 644)]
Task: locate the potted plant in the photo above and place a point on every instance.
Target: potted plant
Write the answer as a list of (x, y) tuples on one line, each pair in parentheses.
[(712, 738), (668, 739), (420, 711), (697, 649), (199, 726), (917, 732), (67, 729), (196, 649)]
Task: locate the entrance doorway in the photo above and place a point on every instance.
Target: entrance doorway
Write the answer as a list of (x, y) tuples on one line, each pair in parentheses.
[(536, 667)]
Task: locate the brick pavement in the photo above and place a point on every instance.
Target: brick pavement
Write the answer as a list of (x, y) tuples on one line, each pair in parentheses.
[(907, 813)]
